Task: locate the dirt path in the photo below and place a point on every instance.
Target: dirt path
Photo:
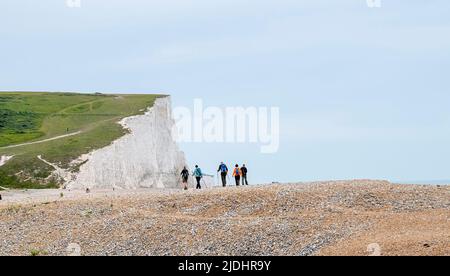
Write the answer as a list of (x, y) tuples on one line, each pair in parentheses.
[(43, 141), (63, 111), (11, 197)]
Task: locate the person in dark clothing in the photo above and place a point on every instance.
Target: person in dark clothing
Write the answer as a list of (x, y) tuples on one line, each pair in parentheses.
[(198, 176), (185, 178), (223, 169), (244, 172), (237, 175)]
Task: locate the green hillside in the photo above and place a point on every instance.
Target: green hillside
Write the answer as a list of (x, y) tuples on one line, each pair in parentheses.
[(74, 124)]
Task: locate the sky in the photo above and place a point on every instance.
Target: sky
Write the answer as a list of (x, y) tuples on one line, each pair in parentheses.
[(362, 92)]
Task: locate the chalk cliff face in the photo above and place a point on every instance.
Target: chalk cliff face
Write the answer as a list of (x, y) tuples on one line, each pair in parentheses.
[(147, 157), (4, 159)]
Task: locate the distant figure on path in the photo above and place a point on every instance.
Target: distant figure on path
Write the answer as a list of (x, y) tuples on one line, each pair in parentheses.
[(185, 178), (244, 172), (223, 169), (237, 174), (198, 176)]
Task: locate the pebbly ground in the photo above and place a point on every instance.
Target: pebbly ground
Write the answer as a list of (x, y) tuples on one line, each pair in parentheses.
[(360, 217)]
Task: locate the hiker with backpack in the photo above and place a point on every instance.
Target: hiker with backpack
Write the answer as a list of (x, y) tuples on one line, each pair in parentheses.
[(244, 172), (237, 174), (223, 169), (185, 178), (198, 176)]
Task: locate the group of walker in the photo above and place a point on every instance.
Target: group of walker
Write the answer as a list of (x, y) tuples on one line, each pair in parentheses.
[(239, 174)]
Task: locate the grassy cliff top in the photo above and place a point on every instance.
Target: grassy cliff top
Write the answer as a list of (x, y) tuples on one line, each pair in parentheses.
[(60, 127)]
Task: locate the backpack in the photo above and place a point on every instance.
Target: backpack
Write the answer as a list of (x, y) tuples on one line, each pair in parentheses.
[(185, 173), (237, 172), (244, 170), (198, 172), (223, 168)]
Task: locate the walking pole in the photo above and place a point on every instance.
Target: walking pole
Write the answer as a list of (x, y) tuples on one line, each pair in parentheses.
[(218, 180), (183, 185), (204, 183)]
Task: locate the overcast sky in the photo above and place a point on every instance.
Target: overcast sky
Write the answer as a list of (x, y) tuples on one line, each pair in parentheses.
[(363, 92)]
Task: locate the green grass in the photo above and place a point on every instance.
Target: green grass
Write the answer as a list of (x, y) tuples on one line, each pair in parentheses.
[(37, 252), (30, 117), (17, 126)]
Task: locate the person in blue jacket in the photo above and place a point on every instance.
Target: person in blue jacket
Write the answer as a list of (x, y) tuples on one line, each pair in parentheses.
[(223, 169), (198, 176)]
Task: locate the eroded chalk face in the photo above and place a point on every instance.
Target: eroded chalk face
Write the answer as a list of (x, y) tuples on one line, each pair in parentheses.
[(147, 157), (4, 159)]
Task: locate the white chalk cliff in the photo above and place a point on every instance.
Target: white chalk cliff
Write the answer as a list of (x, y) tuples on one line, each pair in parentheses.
[(4, 159), (146, 157)]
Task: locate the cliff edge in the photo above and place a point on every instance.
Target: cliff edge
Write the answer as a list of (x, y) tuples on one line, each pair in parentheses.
[(146, 157)]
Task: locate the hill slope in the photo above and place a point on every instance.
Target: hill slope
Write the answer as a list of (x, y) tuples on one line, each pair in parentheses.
[(59, 127), (330, 218)]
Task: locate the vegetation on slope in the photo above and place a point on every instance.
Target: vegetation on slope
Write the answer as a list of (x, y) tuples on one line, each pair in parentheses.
[(32, 117)]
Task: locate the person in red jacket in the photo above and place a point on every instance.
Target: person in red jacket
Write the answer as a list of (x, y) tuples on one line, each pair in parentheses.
[(237, 174)]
